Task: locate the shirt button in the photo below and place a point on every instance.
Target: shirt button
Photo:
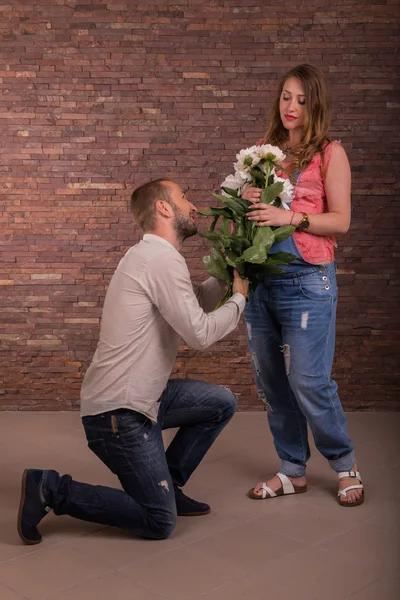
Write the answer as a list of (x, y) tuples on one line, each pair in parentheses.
[(324, 278), (327, 287)]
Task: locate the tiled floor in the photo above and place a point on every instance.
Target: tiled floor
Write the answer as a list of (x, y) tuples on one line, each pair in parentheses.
[(304, 547)]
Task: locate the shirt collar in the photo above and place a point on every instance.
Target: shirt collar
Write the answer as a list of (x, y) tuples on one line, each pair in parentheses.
[(151, 237)]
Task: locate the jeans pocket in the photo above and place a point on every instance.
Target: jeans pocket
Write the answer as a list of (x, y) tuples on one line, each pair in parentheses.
[(318, 286), (126, 422), (99, 448)]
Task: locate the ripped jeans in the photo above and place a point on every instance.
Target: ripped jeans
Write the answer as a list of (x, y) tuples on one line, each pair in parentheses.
[(290, 322), (131, 446)]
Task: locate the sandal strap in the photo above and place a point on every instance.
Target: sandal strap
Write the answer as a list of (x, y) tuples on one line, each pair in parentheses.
[(265, 490), (287, 485), (354, 474), (351, 487)]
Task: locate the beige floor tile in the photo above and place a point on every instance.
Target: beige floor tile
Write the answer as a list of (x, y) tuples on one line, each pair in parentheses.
[(317, 574), (225, 473), (184, 574), (376, 549), (249, 545), (190, 529), (389, 517), (7, 594), (223, 555), (311, 523), (117, 549), (48, 572), (378, 453), (12, 547), (112, 586), (364, 427), (384, 589), (254, 586), (252, 422)]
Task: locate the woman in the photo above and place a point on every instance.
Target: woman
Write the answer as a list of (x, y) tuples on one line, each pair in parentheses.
[(290, 320)]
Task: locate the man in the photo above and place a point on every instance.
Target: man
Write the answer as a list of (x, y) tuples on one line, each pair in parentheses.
[(127, 397)]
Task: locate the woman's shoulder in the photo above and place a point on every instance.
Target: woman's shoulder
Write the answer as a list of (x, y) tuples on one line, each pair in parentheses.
[(333, 148)]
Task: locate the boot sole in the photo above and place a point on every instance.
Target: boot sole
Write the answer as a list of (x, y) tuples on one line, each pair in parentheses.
[(21, 506), (194, 514)]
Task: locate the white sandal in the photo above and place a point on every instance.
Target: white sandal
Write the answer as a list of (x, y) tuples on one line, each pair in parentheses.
[(286, 488), (343, 493)]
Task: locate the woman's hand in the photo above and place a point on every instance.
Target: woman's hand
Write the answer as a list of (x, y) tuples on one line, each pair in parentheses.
[(252, 194), (267, 215)]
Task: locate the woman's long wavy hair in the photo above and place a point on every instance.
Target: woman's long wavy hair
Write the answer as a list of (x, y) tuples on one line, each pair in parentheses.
[(317, 116)]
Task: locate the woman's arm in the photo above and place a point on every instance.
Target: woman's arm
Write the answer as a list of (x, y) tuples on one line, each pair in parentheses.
[(338, 189)]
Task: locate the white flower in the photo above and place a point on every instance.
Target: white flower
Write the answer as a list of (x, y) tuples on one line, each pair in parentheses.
[(246, 159), (250, 157), (287, 193), (267, 150), (236, 182)]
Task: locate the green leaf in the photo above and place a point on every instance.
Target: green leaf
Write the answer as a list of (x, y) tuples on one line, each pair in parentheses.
[(264, 269), (264, 237), (271, 192), (255, 254), (238, 206), (214, 223), (213, 237), (282, 257), (240, 226), (213, 212), (239, 244), (251, 229), (225, 227), (280, 168), (218, 257), (222, 198), (258, 177), (231, 258), (215, 268), (282, 233), (231, 191)]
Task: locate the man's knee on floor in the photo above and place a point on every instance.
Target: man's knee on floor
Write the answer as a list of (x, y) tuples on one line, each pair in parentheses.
[(161, 529)]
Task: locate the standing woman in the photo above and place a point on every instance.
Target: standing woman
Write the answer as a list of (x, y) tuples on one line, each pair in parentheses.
[(291, 319)]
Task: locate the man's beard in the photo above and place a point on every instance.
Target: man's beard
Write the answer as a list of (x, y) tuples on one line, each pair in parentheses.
[(184, 226)]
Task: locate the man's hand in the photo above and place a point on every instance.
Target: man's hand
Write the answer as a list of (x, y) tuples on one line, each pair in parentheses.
[(240, 286)]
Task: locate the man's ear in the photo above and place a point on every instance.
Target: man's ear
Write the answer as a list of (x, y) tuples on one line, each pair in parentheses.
[(164, 208)]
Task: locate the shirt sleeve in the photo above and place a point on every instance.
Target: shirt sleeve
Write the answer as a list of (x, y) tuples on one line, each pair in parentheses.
[(167, 282), (209, 293)]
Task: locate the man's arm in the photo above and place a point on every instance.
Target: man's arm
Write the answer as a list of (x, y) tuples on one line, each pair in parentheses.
[(167, 283)]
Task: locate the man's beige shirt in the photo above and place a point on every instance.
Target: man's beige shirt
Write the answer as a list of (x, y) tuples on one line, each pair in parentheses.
[(149, 306)]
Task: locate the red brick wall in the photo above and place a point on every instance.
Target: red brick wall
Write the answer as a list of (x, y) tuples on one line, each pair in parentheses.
[(97, 97)]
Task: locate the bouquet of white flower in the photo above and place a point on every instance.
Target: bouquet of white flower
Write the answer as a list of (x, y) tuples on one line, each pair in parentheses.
[(247, 248)]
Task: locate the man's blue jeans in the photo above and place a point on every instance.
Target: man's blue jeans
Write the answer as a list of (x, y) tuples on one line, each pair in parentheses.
[(290, 323), (132, 447)]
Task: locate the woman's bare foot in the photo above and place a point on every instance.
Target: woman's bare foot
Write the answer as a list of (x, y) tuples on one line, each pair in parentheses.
[(352, 495), (275, 484)]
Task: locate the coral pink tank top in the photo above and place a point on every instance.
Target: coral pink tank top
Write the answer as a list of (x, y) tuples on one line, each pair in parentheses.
[(310, 197)]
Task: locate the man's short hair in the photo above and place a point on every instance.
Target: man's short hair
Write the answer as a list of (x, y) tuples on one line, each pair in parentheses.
[(143, 202)]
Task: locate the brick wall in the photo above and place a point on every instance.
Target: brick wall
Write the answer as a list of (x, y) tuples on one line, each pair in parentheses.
[(96, 98)]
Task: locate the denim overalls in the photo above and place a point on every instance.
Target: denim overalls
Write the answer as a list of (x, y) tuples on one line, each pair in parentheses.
[(290, 324)]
